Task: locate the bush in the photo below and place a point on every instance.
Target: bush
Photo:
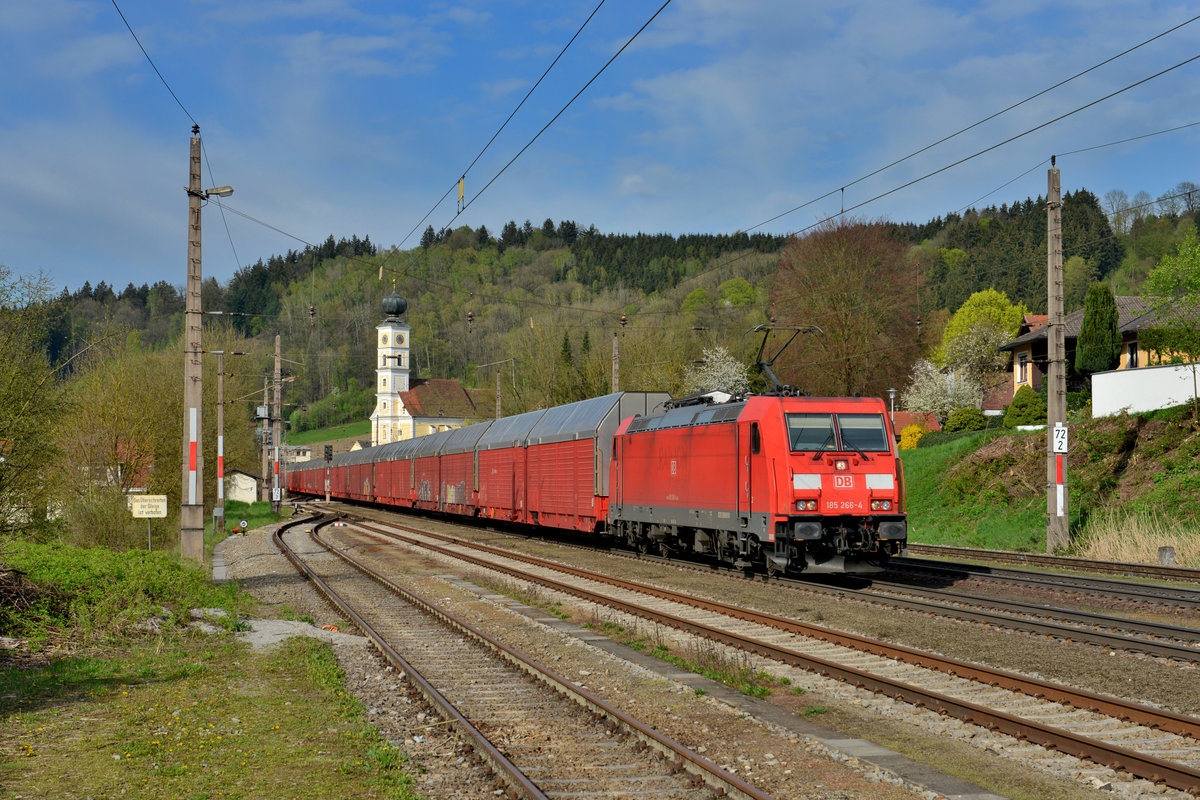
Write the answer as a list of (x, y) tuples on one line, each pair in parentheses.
[(965, 419), (88, 593), (910, 436), (941, 437), (1027, 408)]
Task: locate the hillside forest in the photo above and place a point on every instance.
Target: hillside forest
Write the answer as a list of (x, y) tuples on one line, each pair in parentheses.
[(542, 305)]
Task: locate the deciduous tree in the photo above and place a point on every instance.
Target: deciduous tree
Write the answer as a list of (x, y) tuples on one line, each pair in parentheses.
[(720, 372), (1173, 289), (31, 403), (933, 390), (850, 278)]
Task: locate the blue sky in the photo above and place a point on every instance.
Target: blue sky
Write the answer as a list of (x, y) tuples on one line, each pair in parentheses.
[(353, 117)]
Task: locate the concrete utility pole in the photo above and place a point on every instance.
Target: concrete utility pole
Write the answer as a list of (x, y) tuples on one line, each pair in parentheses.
[(497, 393), (1057, 529), (219, 511), (265, 491), (616, 376), (191, 512), (277, 428)]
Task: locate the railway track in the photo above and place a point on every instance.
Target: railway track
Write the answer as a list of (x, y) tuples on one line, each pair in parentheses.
[(1155, 571), (542, 735), (1148, 743), (1174, 598), (1111, 632), (1102, 630)]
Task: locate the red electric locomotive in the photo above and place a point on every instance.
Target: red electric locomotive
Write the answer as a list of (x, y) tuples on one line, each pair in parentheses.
[(772, 482)]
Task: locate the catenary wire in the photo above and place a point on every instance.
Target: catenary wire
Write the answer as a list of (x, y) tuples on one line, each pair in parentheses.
[(728, 262), (999, 144), (976, 124), (179, 102), (556, 116), (504, 124), (152, 66), (1075, 152)]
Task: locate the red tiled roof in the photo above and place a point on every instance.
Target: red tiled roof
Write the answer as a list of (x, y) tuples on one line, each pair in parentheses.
[(1128, 308), (438, 397), (1032, 322), (905, 418)]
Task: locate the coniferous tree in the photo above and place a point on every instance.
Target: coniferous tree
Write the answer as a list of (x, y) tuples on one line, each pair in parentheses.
[(428, 238), (510, 234), (1099, 343)]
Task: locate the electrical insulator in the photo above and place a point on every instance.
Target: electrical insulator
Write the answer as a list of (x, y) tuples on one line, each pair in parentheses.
[(623, 320), (312, 312), (470, 321)]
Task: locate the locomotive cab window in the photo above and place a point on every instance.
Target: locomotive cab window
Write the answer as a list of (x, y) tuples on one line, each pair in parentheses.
[(863, 432), (811, 432)]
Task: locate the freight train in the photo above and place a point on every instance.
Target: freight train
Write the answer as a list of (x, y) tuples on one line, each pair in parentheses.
[(775, 483)]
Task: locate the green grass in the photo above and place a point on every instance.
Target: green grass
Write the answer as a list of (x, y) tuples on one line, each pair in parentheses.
[(358, 430), (256, 514), (193, 717), (93, 594), (113, 706), (979, 519)]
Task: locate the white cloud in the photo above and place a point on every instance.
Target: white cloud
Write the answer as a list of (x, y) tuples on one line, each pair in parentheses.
[(91, 54), (502, 87), (247, 13), (26, 16)]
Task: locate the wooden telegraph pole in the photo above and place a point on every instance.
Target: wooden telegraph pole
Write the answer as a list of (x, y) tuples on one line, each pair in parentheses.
[(1057, 530)]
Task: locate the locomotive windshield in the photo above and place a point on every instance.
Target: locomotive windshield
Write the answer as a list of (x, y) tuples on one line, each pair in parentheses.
[(864, 433), (811, 432)]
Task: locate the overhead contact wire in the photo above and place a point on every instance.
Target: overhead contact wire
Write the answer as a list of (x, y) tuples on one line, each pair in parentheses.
[(559, 114), (980, 122), (528, 94)]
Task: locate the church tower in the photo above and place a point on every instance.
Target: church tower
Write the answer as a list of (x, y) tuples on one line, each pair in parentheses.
[(390, 421)]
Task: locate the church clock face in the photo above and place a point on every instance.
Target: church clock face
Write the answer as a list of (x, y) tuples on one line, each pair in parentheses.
[(383, 340), (399, 339)]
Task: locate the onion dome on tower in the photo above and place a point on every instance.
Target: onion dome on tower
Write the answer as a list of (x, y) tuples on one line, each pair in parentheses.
[(394, 306)]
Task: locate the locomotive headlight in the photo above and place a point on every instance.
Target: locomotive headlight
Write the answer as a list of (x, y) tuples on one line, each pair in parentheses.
[(806, 505), (881, 505), (841, 464)]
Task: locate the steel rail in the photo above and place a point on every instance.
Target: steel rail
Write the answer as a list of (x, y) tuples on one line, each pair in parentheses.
[(1160, 571), (1177, 776), (1048, 620), (1141, 592), (497, 762), (941, 602), (1045, 624), (681, 757), (1078, 698)]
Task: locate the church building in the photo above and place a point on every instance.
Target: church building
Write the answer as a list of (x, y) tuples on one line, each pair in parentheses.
[(408, 407)]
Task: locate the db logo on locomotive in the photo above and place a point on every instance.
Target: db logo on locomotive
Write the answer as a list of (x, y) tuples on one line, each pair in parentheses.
[(843, 481)]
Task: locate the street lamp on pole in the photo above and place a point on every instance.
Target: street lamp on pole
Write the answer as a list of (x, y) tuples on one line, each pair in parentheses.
[(191, 513), (892, 396)]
